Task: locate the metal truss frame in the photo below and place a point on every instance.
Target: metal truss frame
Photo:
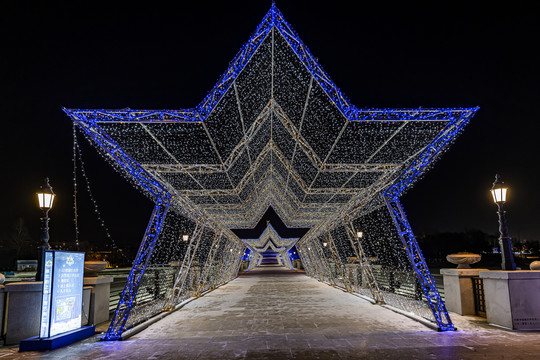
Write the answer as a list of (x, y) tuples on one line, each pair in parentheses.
[(273, 19), (270, 239), (208, 265), (307, 262), (183, 272), (320, 264), (391, 197), (140, 263), (253, 260), (418, 163), (339, 205), (162, 199), (231, 263), (365, 265), (322, 261), (155, 190), (223, 276), (419, 264), (127, 165), (340, 267)]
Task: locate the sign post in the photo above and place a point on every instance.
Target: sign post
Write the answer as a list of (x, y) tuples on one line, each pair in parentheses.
[(61, 305)]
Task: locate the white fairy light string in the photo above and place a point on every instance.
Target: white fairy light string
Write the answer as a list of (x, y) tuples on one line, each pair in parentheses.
[(77, 157)]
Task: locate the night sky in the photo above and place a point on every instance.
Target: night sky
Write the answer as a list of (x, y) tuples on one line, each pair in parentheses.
[(151, 56)]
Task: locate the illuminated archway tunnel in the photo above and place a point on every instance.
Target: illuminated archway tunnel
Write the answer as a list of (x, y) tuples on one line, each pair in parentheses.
[(270, 242), (275, 132)]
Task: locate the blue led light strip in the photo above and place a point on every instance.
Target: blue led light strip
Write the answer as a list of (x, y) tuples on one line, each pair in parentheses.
[(429, 154), (162, 199), (271, 19), (89, 121), (129, 115), (340, 100), (236, 66), (104, 142), (209, 102), (140, 263), (419, 265), (391, 196)]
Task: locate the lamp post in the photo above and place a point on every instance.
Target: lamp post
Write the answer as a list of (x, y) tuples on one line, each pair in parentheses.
[(499, 191), (45, 197)]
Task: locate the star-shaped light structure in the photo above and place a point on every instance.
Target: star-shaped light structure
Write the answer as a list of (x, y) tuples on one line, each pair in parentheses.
[(270, 241), (275, 132)]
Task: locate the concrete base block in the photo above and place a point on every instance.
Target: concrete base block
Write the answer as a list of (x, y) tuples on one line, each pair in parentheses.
[(23, 310), (99, 299), (512, 298), (2, 306), (458, 290)]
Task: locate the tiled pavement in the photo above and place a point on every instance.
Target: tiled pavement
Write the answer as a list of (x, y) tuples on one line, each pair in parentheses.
[(279, 314)]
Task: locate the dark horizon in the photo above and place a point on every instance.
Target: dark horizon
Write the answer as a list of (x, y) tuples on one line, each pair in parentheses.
[(270, 217), (88, 56)]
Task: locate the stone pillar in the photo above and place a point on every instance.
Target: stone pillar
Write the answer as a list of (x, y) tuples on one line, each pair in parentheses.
[(23, 315), (99, 298), (458, 290), (512, 298), (2, 305)]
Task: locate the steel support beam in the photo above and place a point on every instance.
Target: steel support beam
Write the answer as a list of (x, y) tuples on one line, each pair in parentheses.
[(339, 263), (208, 265), (127, 298), (365, 265), (419, 265), (177, 289)]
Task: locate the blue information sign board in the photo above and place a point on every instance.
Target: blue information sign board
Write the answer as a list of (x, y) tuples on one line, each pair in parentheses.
[(61, 305)]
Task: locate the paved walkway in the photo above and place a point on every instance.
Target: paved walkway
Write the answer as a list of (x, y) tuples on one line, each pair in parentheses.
[(273, 313)]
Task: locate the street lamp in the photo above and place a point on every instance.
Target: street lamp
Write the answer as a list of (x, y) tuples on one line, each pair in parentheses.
[(45, 197), (185, 238), (359, 234), (499, 191)]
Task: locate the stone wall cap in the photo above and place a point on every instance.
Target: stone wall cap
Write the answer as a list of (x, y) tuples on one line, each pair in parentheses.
[(97, 280), (24, 286), (462, 272), (511, 275)]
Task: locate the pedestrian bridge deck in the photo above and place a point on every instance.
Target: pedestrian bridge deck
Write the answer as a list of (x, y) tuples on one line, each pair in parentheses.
[(273, 313)]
